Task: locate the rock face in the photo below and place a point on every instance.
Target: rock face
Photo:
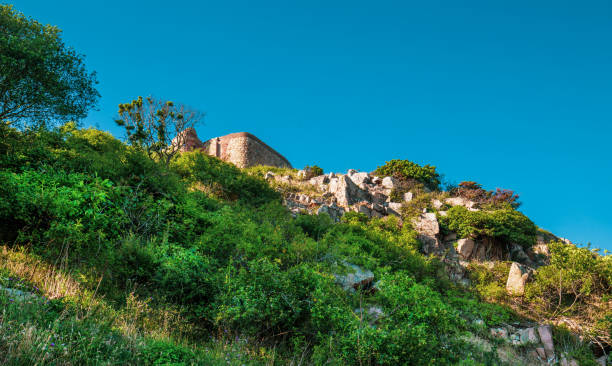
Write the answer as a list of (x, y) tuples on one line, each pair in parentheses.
[(517, 278), (242, 149), (428, 229), (346, 191)]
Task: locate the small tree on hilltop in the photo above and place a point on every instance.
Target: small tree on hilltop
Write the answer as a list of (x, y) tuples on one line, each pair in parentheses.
[(157, 127), (41, 79)]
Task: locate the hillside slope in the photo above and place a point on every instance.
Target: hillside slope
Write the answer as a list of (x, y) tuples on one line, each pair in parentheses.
[(109, 257)]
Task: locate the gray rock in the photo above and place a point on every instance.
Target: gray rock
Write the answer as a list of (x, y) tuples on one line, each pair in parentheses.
[(346, 192), (408, 196), (356, 277), (376, 180), (319, 181), (526, 336), (360, 179), (437, 204), (389, 182), (460, 201), (350, 172), (378, 198), (428, 228), (547, 341), (602, 360), (332, 210), (465, 247), (517, 277), (378, 207)]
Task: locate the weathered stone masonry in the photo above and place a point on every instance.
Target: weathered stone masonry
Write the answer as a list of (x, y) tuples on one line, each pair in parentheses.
[(242, 149)]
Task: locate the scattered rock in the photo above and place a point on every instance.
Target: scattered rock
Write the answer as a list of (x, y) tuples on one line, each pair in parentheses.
[(408, 196), (437, 204), (517, 277)]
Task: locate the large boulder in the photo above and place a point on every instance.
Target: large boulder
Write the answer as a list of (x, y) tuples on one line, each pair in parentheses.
[(389, 182), (360, 179), (465, 247), (346, 191), (394, 208), (517, 277)]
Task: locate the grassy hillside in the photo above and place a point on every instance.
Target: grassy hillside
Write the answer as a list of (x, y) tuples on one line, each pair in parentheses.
[(109, 257)]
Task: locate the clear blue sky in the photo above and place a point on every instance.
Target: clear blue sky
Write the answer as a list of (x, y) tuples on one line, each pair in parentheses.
[(511, 94)]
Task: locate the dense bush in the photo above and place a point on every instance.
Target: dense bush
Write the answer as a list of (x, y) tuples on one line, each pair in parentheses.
[(504, 225), (223, 179), (312, 171), (405, 170), (571, 283)]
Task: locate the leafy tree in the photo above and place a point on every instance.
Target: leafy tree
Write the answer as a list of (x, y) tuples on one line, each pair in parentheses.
[(159, 128), (41, 79)]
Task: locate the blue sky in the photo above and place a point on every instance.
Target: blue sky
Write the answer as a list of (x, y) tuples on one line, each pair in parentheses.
[(511, 94)]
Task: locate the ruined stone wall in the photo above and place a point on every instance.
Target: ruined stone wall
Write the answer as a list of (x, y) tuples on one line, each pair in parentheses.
[(244, 150)]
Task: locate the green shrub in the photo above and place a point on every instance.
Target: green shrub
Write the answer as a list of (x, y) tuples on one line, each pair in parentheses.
[(572, 278), (312, 171), (417, 328), (261, 300), (405, 170), (504, 225), (224, 179)]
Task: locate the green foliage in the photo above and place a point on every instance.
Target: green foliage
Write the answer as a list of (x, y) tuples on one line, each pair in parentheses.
[(222, 179), (490, 282), (41, 79), (575, 275), (504, 225), (215, 244), (313, 171), (406, 170)]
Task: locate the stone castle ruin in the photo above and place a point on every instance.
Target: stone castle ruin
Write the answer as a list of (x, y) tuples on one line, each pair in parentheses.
[(242, 149)]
